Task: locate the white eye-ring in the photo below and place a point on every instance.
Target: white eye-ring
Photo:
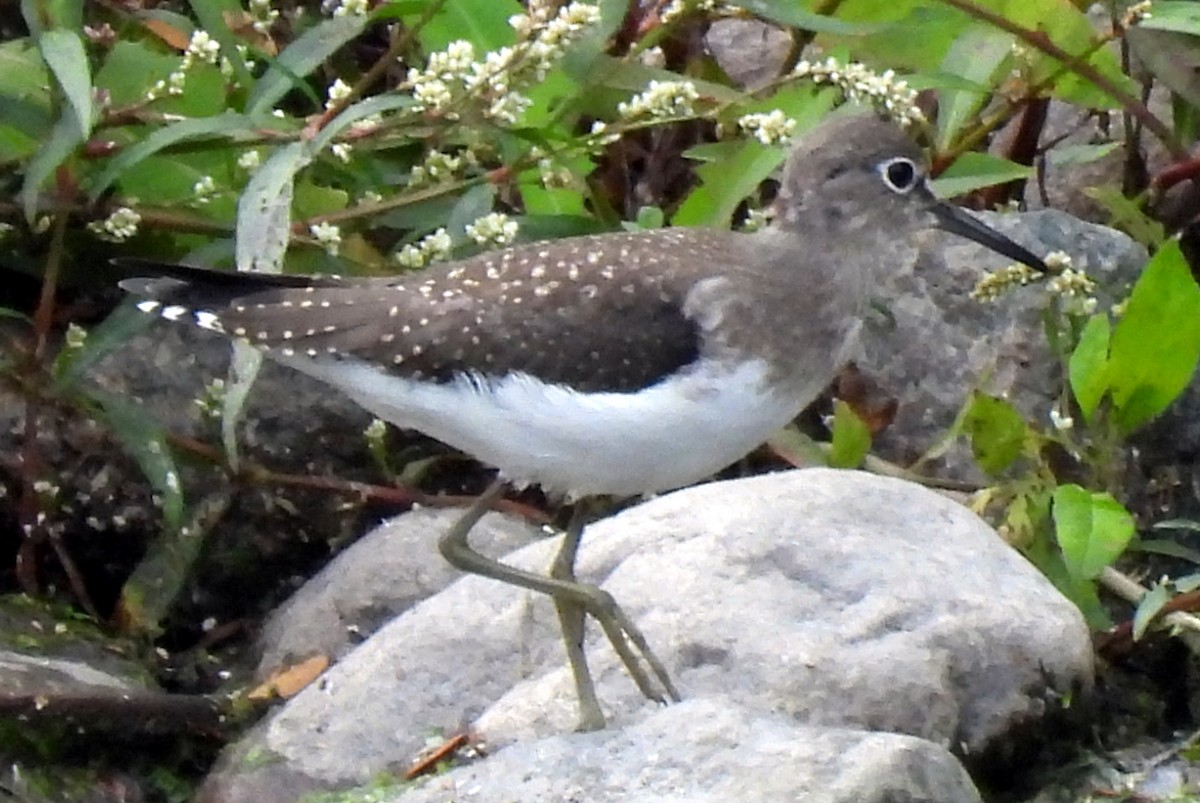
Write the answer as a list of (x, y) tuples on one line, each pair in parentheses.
[(900, 174)]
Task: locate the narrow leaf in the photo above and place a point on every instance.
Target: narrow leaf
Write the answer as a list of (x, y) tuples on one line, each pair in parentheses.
[(212, 19), (1174, 549), (1149, 607), (64, 55), (163, 573), (971, 171), (227, 125), (301, 57), (64, 139), (377, 104)]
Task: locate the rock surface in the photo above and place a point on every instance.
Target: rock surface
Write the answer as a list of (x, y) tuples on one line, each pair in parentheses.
[(821, 597), (710, 749), (381, 575)]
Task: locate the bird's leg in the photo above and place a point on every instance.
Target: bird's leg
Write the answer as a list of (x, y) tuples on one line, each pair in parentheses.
[(571, 598), (624, 635), (572, 617)]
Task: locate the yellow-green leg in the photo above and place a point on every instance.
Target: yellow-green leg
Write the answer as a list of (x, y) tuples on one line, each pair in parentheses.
[(573, 601)]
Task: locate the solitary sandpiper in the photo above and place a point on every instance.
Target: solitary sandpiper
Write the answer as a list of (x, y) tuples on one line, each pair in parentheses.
[(613, 364)]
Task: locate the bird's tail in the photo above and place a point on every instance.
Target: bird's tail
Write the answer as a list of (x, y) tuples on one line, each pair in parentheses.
[(168, 286)]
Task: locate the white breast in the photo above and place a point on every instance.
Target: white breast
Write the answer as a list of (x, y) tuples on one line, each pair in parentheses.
[(674, 433)]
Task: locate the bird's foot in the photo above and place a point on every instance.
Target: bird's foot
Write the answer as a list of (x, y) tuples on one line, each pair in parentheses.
[(630, 645)]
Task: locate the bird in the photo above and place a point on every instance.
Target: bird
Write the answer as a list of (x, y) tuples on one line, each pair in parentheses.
[(609, 365)]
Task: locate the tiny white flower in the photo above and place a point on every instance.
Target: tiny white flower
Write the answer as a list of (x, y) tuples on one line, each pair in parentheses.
[(494, 227), (338, 91), (662, 99), (1059, 421), (329, 235), (203, 47), (248, 160), (351, 8), (203, 189), (118, 227), (770, 128)]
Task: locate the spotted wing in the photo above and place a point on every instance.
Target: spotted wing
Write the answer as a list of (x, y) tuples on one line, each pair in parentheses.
[(599, 313)]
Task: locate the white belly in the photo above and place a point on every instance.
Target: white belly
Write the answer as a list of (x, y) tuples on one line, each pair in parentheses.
[(674, 433)]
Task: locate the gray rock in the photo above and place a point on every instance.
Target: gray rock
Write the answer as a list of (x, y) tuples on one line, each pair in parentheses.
[(384, 573), (710, 749), (750, 51), (829, 598), (933, 344)]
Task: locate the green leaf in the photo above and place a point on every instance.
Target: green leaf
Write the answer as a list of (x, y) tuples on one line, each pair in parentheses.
[(972, 171), (1171, 59), (1174, 15), (483, 23), (1156, 343), (470, 206), (997, 431), (227, 125), (1062, 155), (163, 573), (64, 139), (851, 437), (64, 55), (917, 34), (978, 55), (41, 15), (1079, 590), (1092, 529), (28, 115), (8, 312), (211, 15), (1074, 33), (1088, 367), (726, 182), (302, 57), (1125, 214), (1150, 605), (317, 199), (377, 104), (541, 200), (1173, 549), (790, 14), (130, 69)]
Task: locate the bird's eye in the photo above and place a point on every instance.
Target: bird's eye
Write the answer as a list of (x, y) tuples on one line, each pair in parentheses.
[(901, 175)]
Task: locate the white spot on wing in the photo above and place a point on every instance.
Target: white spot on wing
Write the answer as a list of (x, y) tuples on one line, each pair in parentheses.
[(207, 320)]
